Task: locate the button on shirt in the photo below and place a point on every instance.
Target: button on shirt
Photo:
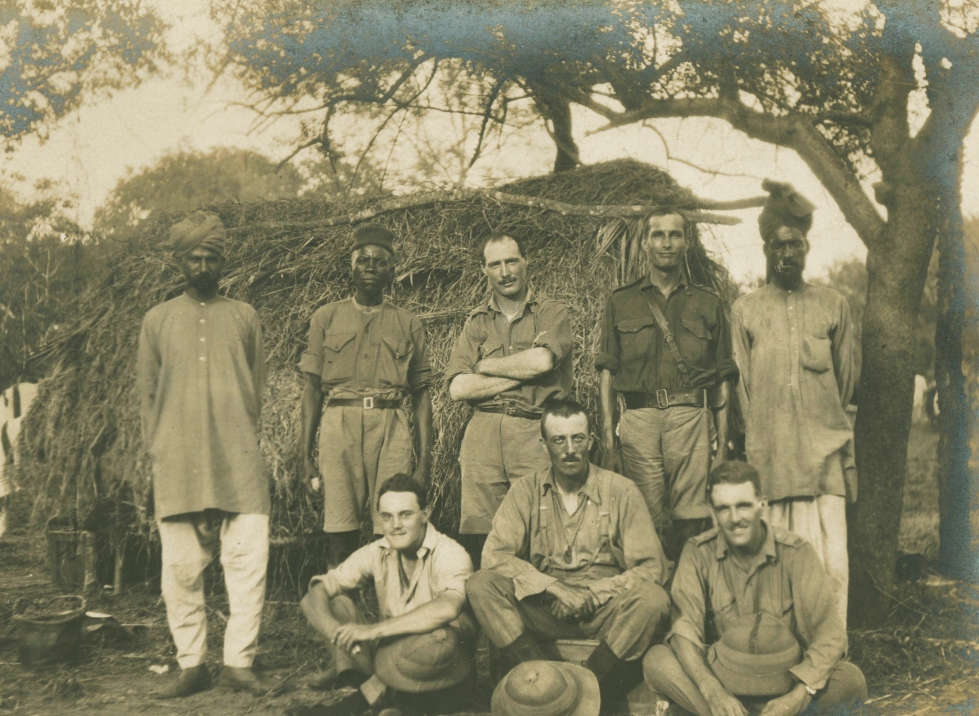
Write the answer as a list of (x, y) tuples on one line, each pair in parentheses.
[(795, 350), (633, 349), (711, 590), (443, 565), (379, 353), (200, 375), (489, 334), (615, 545)]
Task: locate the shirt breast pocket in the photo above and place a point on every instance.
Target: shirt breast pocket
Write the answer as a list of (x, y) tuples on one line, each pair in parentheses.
[(491, 349), (395, 356), (817, 351), (339, 357), (634, 338), (694, 337), (721, 609)]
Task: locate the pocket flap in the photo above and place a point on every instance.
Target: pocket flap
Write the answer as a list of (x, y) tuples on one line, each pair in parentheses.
[(490, 347), (398, 348), (336, 341), (633, 325), (696, 326)]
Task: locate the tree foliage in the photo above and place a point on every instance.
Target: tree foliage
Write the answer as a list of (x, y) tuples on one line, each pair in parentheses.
[(54, 54)]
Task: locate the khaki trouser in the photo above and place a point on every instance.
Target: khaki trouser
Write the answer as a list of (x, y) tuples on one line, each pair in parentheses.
[(189, 543), (665, 676), (669, 449), (496, 450), (627, 622), (358, 450)]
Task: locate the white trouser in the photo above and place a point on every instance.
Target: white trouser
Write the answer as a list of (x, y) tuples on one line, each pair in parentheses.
[(189, 543), (822, 522)]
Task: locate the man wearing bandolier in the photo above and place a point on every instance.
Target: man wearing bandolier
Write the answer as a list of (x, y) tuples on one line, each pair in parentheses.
[(664, 345), (364, 355), (513, 354)]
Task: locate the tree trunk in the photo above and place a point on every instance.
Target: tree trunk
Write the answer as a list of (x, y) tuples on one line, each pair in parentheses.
[(557, 110), (896, 270)]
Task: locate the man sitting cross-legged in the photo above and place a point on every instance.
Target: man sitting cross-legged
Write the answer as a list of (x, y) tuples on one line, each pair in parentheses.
[(755, 621), (572, 554), (423, 640)]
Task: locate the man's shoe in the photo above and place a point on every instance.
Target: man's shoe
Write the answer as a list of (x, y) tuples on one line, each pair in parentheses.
[(247, 680), (330, 679), (188, 682)]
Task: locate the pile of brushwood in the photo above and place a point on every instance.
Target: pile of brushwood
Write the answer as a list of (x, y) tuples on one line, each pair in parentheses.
[(83, 452)]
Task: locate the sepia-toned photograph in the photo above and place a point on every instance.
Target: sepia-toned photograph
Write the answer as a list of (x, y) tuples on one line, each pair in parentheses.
[(489, 357)]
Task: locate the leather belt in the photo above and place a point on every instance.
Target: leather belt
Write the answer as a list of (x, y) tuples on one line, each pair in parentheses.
[(663, 399), (365, 403), (511, 410)]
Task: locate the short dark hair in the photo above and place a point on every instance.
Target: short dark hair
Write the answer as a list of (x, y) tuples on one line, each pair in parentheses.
[(665, 211), (562, 408), (734, 472), (400, 482), (495, 238)]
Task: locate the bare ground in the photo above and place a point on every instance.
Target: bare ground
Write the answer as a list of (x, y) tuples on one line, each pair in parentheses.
[(926, 662)]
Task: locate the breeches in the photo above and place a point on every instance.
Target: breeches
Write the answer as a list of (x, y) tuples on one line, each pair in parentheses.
[(627, 622), (665, 676), (358, 450), (496, 450), (667, 454), (189, 543)]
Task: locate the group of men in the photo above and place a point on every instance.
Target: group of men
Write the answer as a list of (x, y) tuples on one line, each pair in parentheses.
[(565, 548)]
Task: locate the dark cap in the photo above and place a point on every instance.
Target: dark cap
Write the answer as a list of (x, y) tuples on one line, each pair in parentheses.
[(373, 235), (784, 207)]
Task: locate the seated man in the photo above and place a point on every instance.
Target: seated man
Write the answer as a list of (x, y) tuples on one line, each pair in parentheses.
[(572, 554), (423, 641), (754, 617)]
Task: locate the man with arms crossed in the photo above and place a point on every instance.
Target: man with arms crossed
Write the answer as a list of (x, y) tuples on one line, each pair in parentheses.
[(754, 619), (513, 354), (664, 346), (794, 345), (573, 554), (363, 356), (423, 640), (200, 375)]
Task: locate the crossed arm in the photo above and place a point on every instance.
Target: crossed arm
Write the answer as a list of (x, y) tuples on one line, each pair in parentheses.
[(492, 376)]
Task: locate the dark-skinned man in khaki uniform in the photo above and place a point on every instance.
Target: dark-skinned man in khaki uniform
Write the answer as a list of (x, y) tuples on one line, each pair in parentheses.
[(364, 355)]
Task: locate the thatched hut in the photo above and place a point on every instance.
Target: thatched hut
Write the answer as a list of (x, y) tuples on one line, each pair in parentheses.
[(83, 452)]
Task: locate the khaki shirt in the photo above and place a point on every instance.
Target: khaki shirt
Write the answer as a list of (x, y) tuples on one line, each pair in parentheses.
[(488, 334), (795, 350), (443, 565), (359, 354), (633, 349), (616, 546), (200, 373), (711, 590)]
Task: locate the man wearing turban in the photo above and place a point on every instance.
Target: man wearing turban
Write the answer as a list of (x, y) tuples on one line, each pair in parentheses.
[(794, 345), (200, 377)]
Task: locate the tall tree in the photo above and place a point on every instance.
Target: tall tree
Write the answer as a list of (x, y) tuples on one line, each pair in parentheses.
[(55, 54), (834, 86)]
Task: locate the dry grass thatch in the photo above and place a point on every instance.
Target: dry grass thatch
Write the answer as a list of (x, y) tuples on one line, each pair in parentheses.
[(83, 447)]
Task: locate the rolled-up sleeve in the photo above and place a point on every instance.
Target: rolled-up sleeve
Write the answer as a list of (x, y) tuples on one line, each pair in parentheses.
[(510, 538), (689, 597), (312, 358), (354, 572), (451, 569), (465, 353), (554, 329), (609, 355), (419, 367)]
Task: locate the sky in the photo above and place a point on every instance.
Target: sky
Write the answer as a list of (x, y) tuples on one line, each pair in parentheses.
[(91, 149)]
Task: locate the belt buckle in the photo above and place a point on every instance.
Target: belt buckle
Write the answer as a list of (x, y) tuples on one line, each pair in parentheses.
[(662, 399), (369, 403)]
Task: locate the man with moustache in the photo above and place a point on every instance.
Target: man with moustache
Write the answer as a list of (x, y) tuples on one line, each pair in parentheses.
[(794, 345), (754, 619), (514, 353), (200, 375), (363, 357), (572, 554), (665, 347), (423, 640)]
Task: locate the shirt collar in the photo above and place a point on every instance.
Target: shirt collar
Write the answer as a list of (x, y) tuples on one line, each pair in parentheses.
[(646, 283), (492, 305), (767, 548), (590, 488), (802, 287), (428, 544)]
